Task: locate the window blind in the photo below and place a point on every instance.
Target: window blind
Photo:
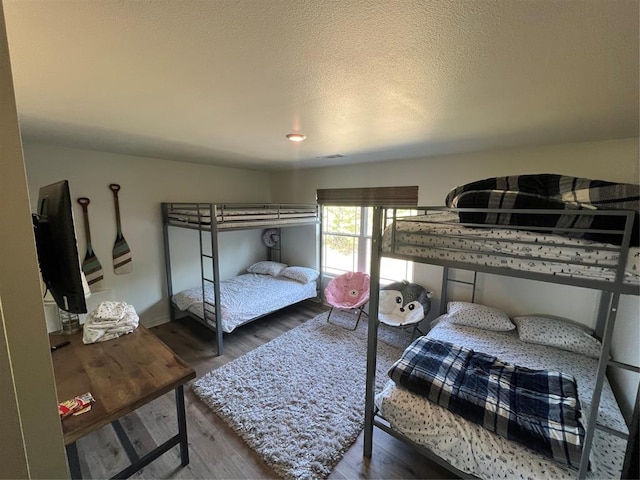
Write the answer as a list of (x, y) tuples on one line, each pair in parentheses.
[(406, 196)]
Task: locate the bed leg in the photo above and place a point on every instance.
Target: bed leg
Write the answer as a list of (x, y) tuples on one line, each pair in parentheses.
[(219, 348)]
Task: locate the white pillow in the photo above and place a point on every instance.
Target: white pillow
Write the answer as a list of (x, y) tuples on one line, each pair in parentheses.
[(557, 333), (479, 316), (267, 268), (301, 274)]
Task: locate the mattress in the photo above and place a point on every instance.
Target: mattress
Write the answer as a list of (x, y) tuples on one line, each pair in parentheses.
[(242, 216), (426, 237), (244, 298), (479, 452)]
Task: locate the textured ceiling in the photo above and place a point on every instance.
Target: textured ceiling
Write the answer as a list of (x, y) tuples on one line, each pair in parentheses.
[(223, 81)]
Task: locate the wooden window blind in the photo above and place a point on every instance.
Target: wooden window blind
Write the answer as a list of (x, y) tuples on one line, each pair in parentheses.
[(369, 197)]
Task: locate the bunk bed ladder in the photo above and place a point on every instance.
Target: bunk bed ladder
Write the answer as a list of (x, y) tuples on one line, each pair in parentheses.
[(214, 260), (445, 288), (167, 258)]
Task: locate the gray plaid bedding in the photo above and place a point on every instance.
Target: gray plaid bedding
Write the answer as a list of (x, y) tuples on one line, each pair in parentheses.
[(537, 408), (550, 191)]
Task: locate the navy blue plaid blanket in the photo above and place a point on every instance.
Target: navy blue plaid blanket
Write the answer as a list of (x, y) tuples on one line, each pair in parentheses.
[(537, 408), (552, 192)]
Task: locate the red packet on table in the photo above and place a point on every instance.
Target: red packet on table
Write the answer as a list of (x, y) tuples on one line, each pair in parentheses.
[(76, 406)]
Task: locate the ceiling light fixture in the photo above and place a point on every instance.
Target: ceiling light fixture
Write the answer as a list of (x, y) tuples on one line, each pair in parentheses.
[(296, 137)]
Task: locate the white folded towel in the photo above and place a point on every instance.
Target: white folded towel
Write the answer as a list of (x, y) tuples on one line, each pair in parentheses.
[(110, 311), (108, 321)]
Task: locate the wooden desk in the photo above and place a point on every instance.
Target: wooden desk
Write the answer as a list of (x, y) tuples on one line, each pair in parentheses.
[(122, 375)]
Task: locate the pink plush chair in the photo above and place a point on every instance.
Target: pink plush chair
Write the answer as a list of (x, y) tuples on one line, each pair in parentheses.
[(348, 291)]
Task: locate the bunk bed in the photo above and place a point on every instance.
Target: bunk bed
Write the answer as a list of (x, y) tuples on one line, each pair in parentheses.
[(267, 286), (529, 245)]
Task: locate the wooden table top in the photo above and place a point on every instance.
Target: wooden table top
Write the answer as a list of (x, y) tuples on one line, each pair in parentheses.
[(122, 375)]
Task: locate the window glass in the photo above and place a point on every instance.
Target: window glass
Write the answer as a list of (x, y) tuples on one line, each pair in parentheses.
[(346, 241), (339, 254), (342, 220)]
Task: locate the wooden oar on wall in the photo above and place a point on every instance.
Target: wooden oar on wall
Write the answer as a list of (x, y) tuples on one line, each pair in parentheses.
[(90, 266), (121, 253)]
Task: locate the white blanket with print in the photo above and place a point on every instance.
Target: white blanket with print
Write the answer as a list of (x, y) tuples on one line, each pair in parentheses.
[(108, 321)]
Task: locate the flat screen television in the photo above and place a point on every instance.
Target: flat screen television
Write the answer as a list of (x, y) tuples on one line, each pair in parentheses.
[(57, 248)]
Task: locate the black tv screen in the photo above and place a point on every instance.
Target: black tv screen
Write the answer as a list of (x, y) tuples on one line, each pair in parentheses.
[(57, 247)]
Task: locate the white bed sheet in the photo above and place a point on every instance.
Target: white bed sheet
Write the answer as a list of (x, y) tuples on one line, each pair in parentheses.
[(244, 298), (434, 240), (477, 451)]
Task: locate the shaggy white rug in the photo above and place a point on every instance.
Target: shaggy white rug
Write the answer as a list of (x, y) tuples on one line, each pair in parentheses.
[(298, 400)]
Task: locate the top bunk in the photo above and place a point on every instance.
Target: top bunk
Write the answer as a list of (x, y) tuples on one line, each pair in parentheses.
[(441, 236), (238, 216), (503, 231)]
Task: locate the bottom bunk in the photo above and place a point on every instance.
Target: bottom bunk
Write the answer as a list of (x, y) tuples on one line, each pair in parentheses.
[(473, 450), (246, 297)]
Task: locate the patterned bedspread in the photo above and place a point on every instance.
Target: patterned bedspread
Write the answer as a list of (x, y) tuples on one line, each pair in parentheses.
[(538, 408), (480, 452), (550, 191), (440, 236), (244, 298)]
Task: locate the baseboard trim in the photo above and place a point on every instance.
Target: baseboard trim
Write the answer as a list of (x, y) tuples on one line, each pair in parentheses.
[(155, 322)]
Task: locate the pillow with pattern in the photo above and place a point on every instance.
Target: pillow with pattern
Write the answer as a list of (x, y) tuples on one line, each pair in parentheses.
[(301, 274), (479, 316), (557, 333), (267, 268)]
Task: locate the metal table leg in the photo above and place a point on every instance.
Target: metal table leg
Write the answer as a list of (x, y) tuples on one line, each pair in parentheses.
[(182, 426), (73, 460), (179, 439)]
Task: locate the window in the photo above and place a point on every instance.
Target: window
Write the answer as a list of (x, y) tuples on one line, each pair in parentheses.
[(346, 244)]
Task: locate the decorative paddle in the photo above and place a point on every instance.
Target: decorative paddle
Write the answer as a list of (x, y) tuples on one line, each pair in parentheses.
[(91, 266), (121, 252)]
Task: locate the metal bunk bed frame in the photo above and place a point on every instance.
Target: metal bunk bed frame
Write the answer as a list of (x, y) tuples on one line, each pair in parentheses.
[(607, 311), (217, 218)]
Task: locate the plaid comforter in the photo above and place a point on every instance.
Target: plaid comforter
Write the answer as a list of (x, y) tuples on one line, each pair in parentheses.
[(537, 408), (550, 191)]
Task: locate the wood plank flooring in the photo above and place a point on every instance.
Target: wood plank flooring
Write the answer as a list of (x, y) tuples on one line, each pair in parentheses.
[(216, 452)]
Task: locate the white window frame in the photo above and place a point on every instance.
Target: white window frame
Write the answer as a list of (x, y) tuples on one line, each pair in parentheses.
[(363, 250)]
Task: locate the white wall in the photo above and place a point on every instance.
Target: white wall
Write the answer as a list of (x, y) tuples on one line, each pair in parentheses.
[(239, 249), (299, 245), (615, 160), (145, 183)]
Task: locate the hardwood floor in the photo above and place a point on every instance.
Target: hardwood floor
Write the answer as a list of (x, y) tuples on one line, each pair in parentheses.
[(215, 451)]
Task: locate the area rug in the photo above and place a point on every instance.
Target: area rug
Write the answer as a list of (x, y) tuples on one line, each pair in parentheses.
[(298, 401)]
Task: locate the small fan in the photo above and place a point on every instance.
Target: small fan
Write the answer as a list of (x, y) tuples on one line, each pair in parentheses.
[(271, 237)]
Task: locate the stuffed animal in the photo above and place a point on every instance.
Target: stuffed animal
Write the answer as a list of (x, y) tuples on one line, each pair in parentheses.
[(270, 237), (403, 303)]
